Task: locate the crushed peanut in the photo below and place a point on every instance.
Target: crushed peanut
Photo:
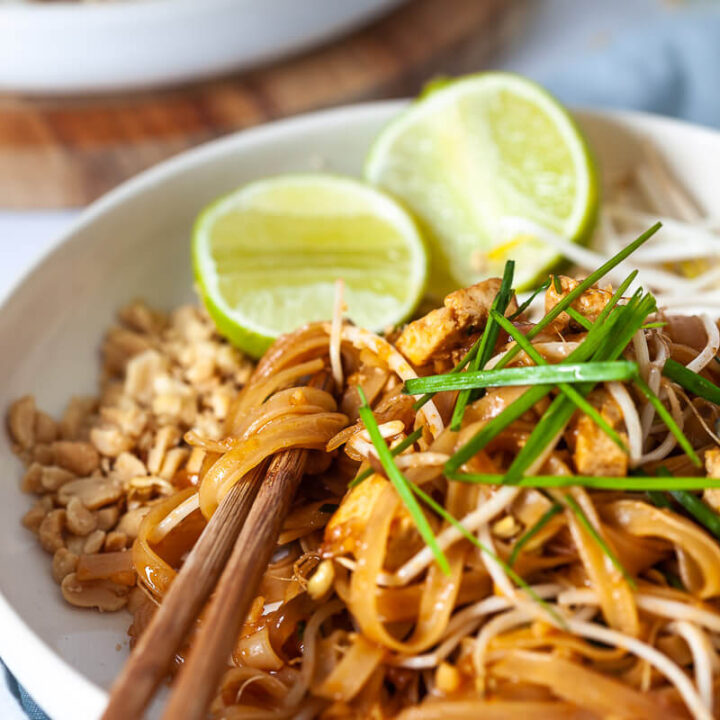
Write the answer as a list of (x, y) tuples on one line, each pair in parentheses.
[(447, 678), (94, 542), (78, 518), (64, 562), (98, 470), (103, 595)]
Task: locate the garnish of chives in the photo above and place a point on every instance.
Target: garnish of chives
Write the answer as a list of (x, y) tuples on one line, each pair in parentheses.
[(540, 374), (557, 283), (588, 282), (400, 483), (487, 343), (411, 439), (553, 422), (522, 308), (516, 409), (668, 419), (691, 381), (578, 318), (596, 482), (693, 504), (651, 325), (659, 499), (570, 392), (448, 517), (531, 532), (599, 540)]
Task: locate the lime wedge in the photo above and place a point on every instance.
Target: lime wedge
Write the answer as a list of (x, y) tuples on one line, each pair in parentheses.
[(266, 257), (488, 163)]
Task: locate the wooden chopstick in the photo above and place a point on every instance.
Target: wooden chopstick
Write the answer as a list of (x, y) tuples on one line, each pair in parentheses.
[(150, 660), (198, 679)]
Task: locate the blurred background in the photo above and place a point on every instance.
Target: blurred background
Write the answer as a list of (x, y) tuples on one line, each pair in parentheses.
[(92, 93)]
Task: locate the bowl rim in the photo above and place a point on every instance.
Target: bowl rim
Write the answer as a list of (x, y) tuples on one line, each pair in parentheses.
[(36, 656), (71, 10), (168, 52)]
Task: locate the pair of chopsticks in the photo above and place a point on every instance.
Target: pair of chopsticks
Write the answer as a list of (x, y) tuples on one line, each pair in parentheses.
[(236, 547)]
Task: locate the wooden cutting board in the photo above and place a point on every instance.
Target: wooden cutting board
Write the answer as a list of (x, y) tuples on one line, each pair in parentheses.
[(58, 153)]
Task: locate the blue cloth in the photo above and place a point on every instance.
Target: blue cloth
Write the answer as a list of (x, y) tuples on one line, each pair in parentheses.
[(32, 710), (671, 66)]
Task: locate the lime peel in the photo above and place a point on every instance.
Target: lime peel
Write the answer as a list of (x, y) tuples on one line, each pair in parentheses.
[(267, 255), (473, 151)]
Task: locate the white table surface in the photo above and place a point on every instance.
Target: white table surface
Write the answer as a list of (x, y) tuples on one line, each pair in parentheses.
[(558, 29)]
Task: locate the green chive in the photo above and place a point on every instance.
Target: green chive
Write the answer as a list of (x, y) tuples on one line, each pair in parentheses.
[(668, 419), (529, 301), (659, 499), (557, 283), (566, 389), (553, 422), (698, 509), (411, 439), (691, 381), (488, 342), (538, 375), (592, 341), (651, 325), (533, 531), (588, 282), (693, 504), (595, 482), (400, 483), (448, 517), (592, 530), (616, 297), (578, 318)]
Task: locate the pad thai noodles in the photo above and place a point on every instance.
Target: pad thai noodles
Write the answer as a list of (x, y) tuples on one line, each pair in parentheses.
[(500, 517)]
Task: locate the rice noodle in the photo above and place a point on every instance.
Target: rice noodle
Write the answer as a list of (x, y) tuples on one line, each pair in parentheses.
[(174, 518), (336, 333), (395, 361)]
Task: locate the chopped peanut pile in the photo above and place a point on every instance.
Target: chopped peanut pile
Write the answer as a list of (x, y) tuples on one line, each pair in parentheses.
[(98, 469)]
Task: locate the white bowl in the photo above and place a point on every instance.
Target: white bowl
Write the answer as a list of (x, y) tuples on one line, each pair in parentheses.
[(134, 242), (70, 47)]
